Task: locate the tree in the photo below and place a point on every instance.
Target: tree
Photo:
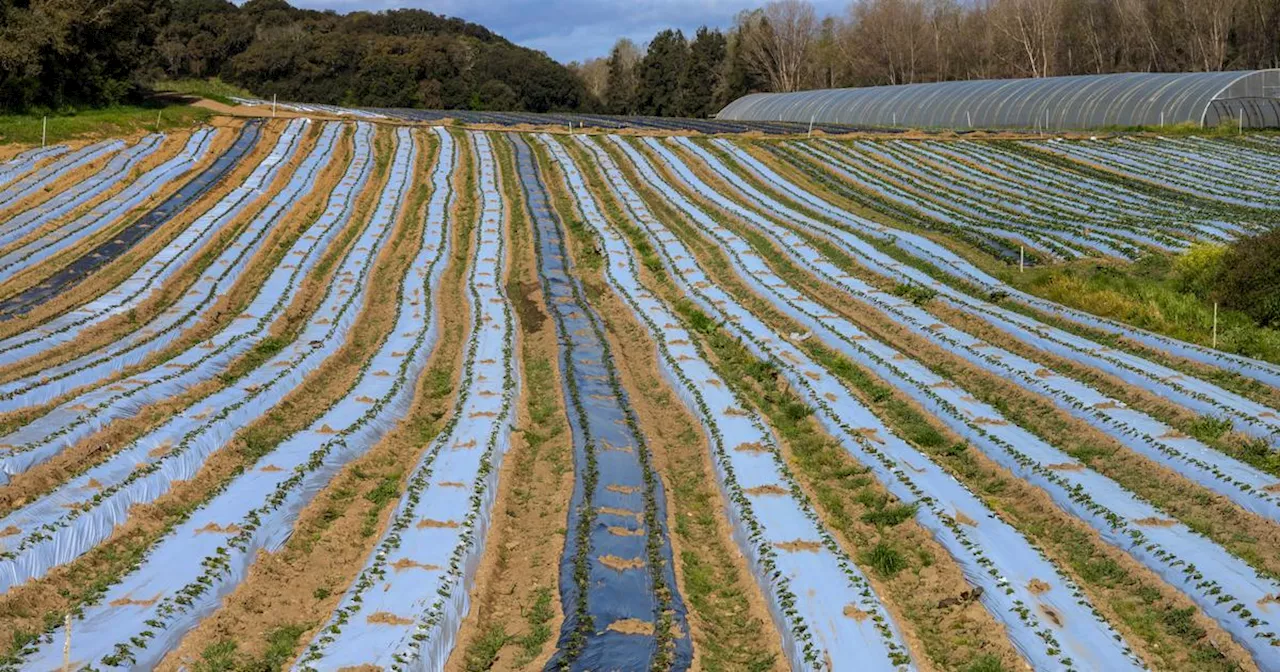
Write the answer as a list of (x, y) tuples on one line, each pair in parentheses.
[(660, 73), (777, 39), (620, 82), (703, 83)]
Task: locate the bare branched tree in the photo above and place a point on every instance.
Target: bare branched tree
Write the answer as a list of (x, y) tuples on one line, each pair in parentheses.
[(778, 40)]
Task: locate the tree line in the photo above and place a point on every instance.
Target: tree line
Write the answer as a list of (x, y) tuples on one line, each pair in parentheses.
[(787, 46), (64, 53)]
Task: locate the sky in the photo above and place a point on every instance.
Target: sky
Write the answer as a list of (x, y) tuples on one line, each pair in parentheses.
[(575, 30)]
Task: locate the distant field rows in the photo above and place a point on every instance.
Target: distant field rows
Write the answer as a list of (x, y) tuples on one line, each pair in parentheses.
[(236, 344)]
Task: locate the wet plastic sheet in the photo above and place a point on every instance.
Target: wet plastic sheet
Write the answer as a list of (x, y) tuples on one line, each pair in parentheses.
[(626, 494), (823, 606), (1052, 629), (52, 534), (23, 163), (49, 173), (112, 173), (141, 227), (404, 609), (132, 348), (80, 416), (1241, 483), (1165, 546), (151, 275), (202, 560)]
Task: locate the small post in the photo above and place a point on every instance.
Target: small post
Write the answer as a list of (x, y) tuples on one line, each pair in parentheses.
[(1241, 120), (158, 113), (66, 644), (811, 119), (1215, 325), (273, 106), (1161, 118), (1022, 259), (969, 118), (44, 130), (895, 118)]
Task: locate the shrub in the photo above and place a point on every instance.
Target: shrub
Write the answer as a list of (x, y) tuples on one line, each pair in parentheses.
[(1199, 268), (1251, 277)]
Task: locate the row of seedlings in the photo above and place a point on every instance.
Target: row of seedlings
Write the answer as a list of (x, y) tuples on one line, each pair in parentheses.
[(863, 184), (822, 604), (98, 221), (405, 607), (1055, 627), (96, 406), (1128, 228), (1135, 163), (150, 277), (965, 272), (58, 527), (188, 573), (1246, 486), (137, 229), (40, 183), (1188, 561), (1232, 167), (1194, 394), (109, 359), (973, 203), (617, 577), (25, 162), (113, 173)]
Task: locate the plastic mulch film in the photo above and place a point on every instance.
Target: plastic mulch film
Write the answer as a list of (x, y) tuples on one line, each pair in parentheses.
[(150, 277), (187, 574), (113, 172), (823, 606), (404, 609), (132, 348), (91, 410), (618, 541), (137, 229), (36, 250), (1048, 618), (58, 527), (1246, 486), (1184, 558), (23, 163), (46, 175)]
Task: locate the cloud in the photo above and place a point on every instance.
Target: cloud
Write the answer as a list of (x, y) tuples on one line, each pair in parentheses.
[(570, 30)]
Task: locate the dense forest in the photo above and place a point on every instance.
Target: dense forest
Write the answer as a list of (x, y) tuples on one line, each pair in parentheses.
[(56, 54), (60, 53)]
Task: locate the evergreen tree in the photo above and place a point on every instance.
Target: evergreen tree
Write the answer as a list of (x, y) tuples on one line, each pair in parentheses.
[(703, 85), (620, 83), (661, 72)]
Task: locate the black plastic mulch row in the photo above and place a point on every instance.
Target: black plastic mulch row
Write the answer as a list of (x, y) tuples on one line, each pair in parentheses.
[(94, 259)]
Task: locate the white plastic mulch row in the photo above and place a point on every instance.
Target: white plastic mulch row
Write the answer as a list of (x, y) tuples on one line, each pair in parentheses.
[(956, 266), (150, 276), (23, 163), (1054, 628), (188, 573), (404, 609), (49, 173), (823, 606), (112, 173), (1243, 484), (58, 527), (87, 412), (109, 211), (130, 349), (1187, 560)]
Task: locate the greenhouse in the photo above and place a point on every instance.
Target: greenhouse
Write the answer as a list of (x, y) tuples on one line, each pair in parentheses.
[(1250, 99)]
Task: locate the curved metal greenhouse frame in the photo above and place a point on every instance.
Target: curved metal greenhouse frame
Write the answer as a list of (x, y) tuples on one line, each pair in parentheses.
[(1250, 98)]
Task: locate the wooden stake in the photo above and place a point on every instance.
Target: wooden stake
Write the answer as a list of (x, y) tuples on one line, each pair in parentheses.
[(66, 645), (1215, 325), (44, 130), (273, 106), (1022, 259)]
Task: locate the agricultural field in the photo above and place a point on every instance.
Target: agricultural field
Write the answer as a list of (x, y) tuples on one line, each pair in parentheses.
[(365, 390)]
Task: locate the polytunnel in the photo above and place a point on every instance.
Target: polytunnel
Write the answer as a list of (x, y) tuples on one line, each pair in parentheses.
[(1247, 98)]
